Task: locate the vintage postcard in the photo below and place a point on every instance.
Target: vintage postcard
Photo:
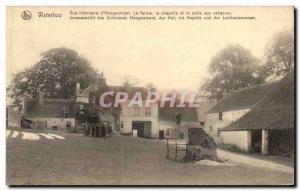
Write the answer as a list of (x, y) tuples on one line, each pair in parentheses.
[(150, 96)]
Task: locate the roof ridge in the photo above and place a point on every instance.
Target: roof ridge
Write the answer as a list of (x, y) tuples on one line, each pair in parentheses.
[(271, 111), (267, 93), (255, 86), (258, 91)]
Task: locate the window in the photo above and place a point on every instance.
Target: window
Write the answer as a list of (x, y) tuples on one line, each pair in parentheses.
[(68, 123), (66, 115), (210, 129), (148, 111), (220, 115), (167, 132), (202, 123), (55, 127), (181, 135), (81, 107), (121, 124)]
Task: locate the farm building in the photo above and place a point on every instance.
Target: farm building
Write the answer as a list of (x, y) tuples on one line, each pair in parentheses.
[(141, 120), (48, 113), (231, 108), (174, 121), (269, 127)]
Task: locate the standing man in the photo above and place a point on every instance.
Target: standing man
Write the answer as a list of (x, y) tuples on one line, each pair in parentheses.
[(88, 129), (109, 129), (103, 130), (98, 129), (85, 129), (93, 125)]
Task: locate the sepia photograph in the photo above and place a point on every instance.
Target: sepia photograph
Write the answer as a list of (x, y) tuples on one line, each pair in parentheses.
[(150, 96)]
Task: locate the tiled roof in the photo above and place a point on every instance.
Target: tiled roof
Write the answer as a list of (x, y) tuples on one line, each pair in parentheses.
[(188, 114), (274, 111), (242, 99), (49, 108), (130, 90)]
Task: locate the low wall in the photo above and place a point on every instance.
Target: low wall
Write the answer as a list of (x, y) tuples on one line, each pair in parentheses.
[(59, 122)]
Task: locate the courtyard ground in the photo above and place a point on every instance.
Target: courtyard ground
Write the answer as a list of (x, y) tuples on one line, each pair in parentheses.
[(56, 158)]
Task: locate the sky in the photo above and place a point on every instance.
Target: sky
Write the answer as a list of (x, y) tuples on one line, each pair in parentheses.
[(169, 54)]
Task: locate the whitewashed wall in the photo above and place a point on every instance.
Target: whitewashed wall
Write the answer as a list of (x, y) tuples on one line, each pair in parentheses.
[(240, 139), (127, 124), (128, 115), (82, 99), (228, 117), (164, 125)]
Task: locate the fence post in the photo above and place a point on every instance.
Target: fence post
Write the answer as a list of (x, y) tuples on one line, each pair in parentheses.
[(176, 151), (186, 148), (168, 155)]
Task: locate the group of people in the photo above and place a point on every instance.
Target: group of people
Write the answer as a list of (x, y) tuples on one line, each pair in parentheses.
[(97, 129)]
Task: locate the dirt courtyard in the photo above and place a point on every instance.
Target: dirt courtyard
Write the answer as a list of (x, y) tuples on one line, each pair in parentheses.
[(118, 160)]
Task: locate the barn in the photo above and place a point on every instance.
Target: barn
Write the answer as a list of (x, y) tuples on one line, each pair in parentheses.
[(270, 124)]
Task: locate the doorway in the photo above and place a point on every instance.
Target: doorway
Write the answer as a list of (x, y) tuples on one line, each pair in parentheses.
[(281, 142), (143, 128), (256, 140), (161, 134)]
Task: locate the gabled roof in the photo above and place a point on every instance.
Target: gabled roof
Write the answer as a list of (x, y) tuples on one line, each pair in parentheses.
[(91, 88), (242, 99), (130, 90), (203, 109), (274, 111), (188, 114)]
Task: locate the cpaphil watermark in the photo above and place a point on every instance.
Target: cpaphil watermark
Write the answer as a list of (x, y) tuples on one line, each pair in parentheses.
[(142, 99)]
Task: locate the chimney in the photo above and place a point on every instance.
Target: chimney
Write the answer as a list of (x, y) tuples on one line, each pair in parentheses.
[(101, 81), (77, 89)]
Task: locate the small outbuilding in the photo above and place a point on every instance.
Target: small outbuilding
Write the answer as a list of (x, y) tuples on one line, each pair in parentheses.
[(57, 114)]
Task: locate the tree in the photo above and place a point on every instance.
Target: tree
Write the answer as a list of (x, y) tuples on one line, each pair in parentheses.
[(129, 81), (54, 76), (232, 68), (151, 87), (279, 56)]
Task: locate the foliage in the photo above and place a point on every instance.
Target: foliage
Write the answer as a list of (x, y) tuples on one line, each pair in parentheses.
[(279, 55), (233, 68), (54, 76)]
